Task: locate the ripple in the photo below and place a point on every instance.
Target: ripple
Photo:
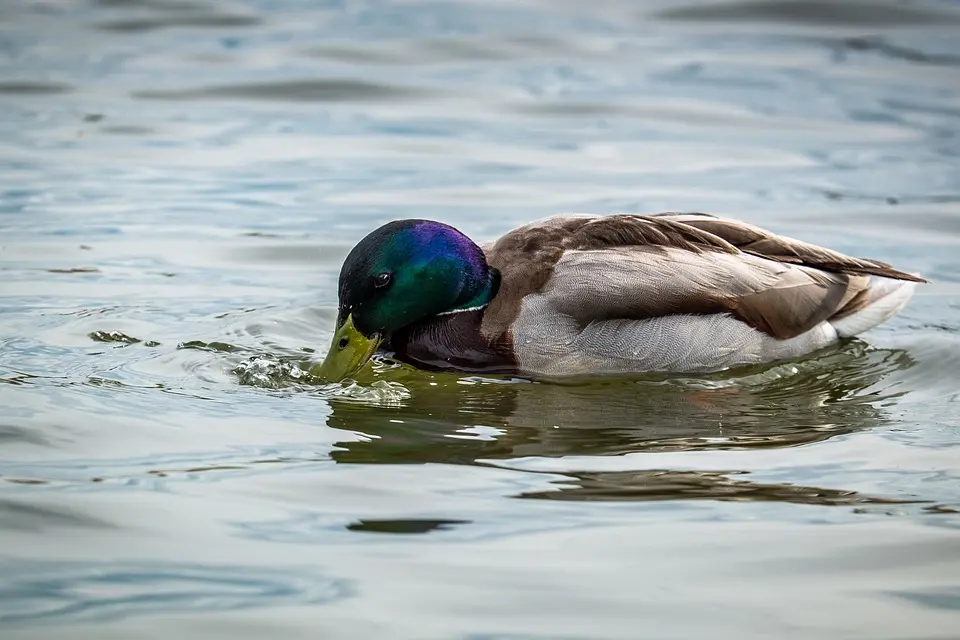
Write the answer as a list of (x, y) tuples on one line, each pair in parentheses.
[(168, 14), (39, 592), (305, 90), (32, 88), (10, 434), (898, 52), (162, 5), (144, 137), (194, 21), (947, 598), (438, 51), (19, 516), (813, 12)]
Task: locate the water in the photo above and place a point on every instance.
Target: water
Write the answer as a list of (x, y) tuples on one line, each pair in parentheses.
[(180, 183)]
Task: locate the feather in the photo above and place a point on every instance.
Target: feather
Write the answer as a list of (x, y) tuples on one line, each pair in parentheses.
[(646, 266)]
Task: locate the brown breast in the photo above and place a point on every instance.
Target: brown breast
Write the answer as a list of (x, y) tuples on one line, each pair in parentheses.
[(454, 342)]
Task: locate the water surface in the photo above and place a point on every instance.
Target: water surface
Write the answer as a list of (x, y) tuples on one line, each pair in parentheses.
[(180, 182)]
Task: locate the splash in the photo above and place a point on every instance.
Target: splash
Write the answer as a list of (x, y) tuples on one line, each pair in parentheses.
[(381, 393), (270, 372)]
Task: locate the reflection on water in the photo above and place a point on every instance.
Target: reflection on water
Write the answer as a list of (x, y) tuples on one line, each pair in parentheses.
[(782, 405), (180, 183), (470, 420), (403, 526), (662, 484)]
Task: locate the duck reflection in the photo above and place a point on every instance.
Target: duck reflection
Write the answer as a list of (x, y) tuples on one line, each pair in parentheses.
[(462, 420), (665, 484)]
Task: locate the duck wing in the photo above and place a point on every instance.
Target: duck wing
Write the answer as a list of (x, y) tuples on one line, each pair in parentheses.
[(594, 268)]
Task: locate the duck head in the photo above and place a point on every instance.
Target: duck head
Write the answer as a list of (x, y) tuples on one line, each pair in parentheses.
[(402, 273)]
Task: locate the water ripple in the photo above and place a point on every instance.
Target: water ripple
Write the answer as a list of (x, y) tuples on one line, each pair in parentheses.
[(47, 592), (306, 90), (181, 181), (815, 13)]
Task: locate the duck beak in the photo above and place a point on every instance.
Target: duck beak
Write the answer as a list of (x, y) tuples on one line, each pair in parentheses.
[(349, 351)]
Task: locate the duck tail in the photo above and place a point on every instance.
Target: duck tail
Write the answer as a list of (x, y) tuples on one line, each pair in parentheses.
[(879, 301)]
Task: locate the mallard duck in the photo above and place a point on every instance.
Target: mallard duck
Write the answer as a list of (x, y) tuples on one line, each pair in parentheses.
[(586, 295)]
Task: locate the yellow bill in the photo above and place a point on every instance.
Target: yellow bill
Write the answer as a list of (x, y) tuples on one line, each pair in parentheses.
[(349, 351)]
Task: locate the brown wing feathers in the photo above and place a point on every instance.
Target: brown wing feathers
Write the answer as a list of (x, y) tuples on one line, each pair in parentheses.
[(834, 284), (623, 230), (526, 256), (758, 242), (788, 311)]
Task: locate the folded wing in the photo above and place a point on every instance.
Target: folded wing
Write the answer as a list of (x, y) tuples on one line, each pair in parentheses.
[(636, 267)]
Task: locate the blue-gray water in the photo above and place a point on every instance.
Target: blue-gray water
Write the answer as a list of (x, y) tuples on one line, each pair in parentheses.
[(191, 174)]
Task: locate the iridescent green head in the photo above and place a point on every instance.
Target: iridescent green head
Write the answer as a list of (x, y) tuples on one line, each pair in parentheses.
[(402, 273)]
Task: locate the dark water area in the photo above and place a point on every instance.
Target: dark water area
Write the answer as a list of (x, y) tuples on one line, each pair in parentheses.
[(180, 181)]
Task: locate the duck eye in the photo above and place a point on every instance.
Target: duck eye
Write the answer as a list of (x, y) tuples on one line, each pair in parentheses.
[(381, 280)]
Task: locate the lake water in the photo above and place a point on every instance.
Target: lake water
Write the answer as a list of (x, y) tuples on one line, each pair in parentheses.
[(180, 183)]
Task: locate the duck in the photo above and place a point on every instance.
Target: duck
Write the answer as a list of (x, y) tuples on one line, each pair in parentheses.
[(587, 295)]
